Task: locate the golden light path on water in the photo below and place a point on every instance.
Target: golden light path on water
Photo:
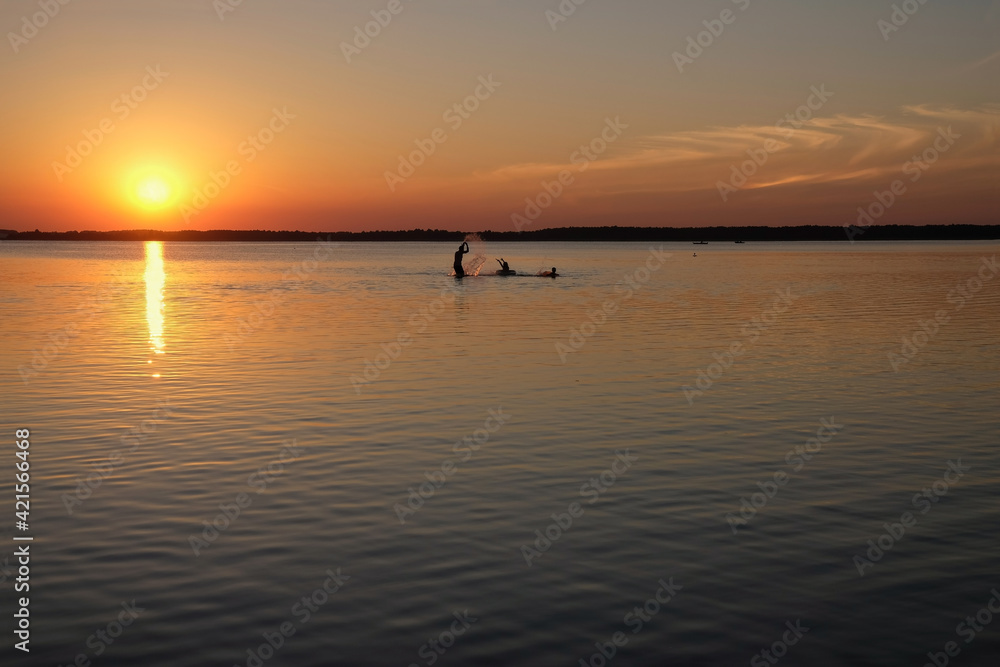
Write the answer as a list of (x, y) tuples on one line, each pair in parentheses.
[(155, 278)]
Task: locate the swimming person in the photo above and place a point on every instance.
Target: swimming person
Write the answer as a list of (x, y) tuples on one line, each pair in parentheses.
[(550, 274), (462, 250)]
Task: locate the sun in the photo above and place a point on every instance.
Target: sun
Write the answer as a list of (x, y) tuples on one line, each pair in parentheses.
[(152, 188), (153, 192)]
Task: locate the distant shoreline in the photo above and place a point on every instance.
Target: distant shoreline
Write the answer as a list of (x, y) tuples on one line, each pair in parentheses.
[(558, 234)]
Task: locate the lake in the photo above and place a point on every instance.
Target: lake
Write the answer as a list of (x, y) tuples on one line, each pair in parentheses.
[(316, 454)]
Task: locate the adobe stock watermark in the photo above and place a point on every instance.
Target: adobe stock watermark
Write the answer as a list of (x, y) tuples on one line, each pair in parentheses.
[(230, 512), (102, 638), (248, 150), (759, 156), (86, 486), (302, 611), (122, 107), (899, 17), (432, 651), (582, 157), (418, 323), (628, 286), (363, 35), (915, 169), (455, 116), (31, 25), (223, 7), (562, 12), (796, 459), (464, 449), (967, 629), (929, 328), (592, 489), (634, 620), (263, 309), (779, 649), (22, 617), (751, 331), (57, 343), (60, 340), (922, 501), (697, 44)]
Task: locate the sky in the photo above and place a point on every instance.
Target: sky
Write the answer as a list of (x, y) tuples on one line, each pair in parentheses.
[(497, 114)]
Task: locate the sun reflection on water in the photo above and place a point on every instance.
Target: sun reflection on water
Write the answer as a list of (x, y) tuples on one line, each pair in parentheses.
[(155, 278)]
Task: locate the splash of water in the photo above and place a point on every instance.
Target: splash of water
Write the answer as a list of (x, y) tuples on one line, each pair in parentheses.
[(477, 251)]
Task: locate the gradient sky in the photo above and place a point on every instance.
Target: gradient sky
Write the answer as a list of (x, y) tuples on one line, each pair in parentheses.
[(227, 73)]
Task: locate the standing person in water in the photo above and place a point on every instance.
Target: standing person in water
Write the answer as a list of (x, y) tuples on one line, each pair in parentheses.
[(550, 274), (462, 250)]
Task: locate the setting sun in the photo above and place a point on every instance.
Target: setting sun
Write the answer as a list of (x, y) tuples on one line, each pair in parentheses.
[(153, 192)]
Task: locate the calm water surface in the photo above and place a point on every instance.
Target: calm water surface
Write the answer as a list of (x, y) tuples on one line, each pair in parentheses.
[(320, 387)]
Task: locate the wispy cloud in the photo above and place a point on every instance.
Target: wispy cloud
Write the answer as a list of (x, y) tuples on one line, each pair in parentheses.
[(833, 149), (985, 61)]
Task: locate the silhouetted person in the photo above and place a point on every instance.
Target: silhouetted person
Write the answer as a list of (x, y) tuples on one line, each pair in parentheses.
[(462, 250), (503, 265), (550, 274)]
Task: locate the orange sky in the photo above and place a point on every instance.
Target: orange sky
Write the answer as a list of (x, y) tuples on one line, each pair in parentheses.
[(267, 116)]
